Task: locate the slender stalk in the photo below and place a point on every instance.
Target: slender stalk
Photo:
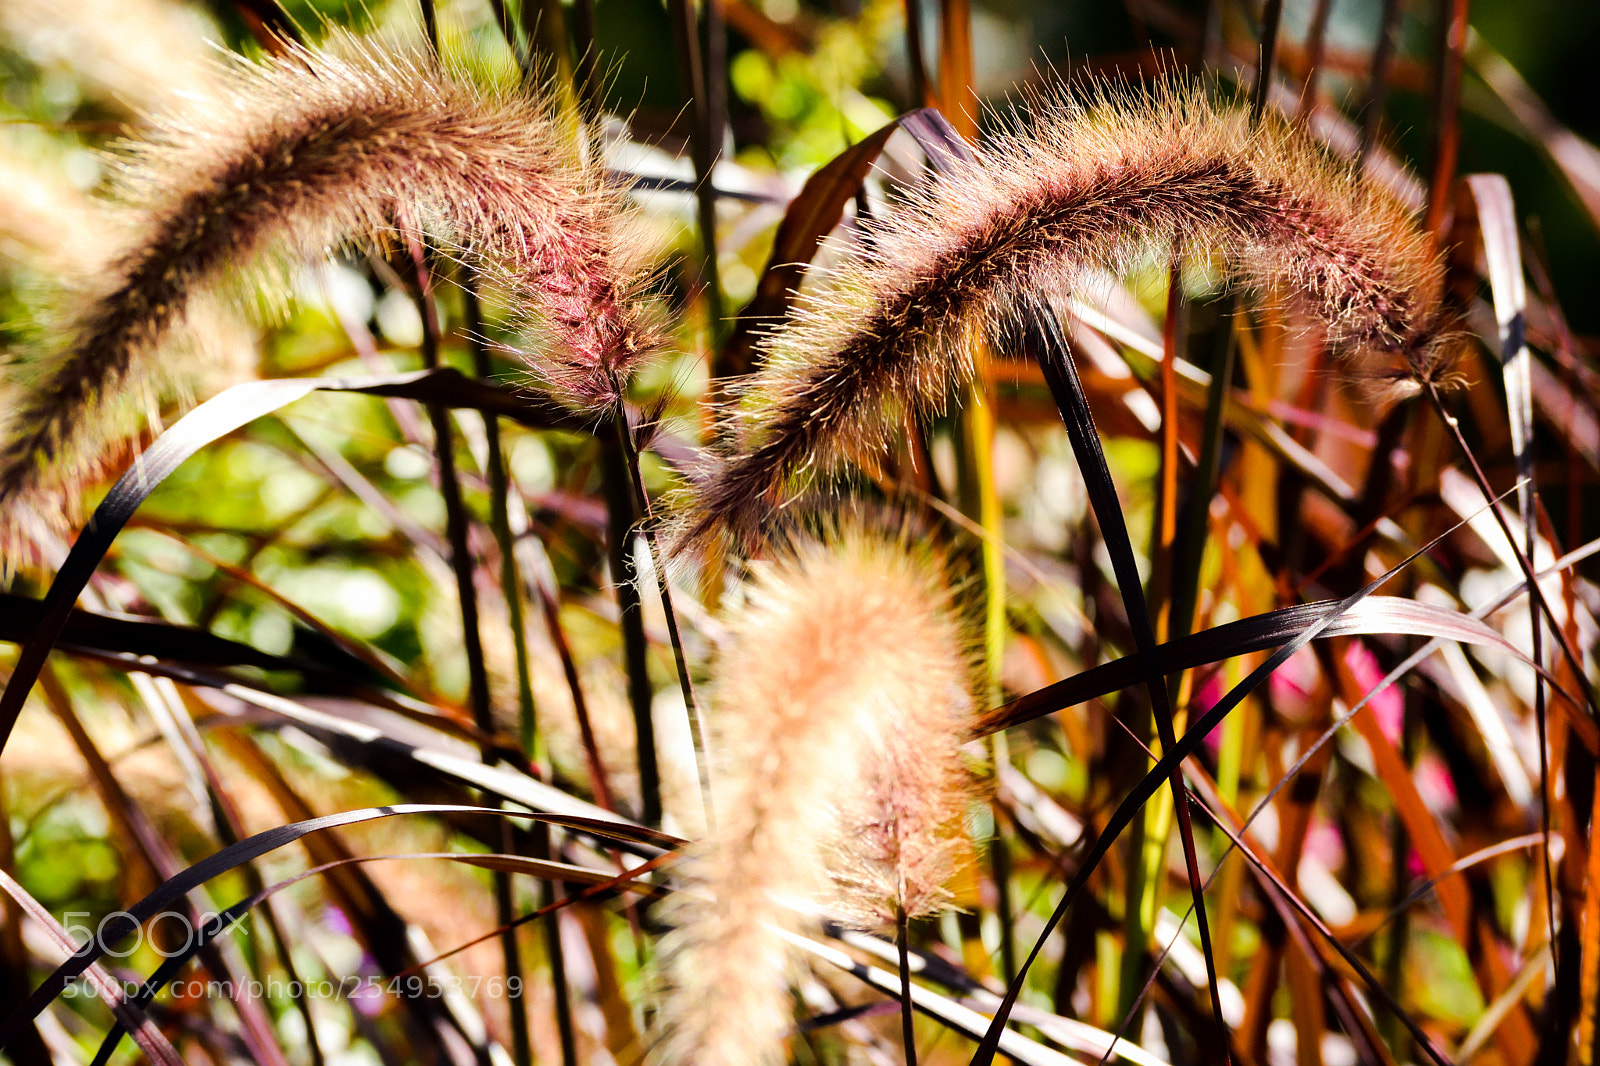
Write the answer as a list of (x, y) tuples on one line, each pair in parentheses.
[(693, 69), (630, 457), (1000, 870), (430, 25), (510, 585), (545, 23), (621, 515), (982, 499), (505, 909), (1271, 18), (461, 563), (1377, 82), (979, 497), (981, 502), (588, 84), (908, 1031), (916, 56), (1541, 716), (956, 90), (456, 525), (1316, 39), (550, 605), (1167, 526), (548, 899), (1195, 514), (713, 80), (1147, 844), (1399, 931), (1524, 558), (456, 520), (500, 525), (1452, 16)]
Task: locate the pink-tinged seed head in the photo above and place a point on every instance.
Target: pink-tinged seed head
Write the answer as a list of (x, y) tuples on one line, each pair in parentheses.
[(1074, 189), (295, 156)]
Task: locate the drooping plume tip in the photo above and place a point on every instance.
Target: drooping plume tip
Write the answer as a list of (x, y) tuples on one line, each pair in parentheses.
[(1077, 187), (296, 155)]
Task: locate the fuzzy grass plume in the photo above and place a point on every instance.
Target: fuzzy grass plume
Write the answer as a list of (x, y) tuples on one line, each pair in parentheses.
[(1077, 187), (56, 243), (842, 697), (297, 155), (139, 53)]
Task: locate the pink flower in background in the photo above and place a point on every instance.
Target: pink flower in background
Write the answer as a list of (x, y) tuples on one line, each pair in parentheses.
[(1434, 783), (1294, 681), (1388, 706), (1324, 841), (337, 921), (1205, 698)]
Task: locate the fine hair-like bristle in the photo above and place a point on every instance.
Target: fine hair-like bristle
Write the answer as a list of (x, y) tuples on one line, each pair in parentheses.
[(1074, 188), (296, 155), (842, 698)]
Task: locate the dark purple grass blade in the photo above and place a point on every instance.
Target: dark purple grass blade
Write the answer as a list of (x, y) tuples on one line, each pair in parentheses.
[(1172, 758), (150, 1039), (224, 921), (1043, 338), (210, 421), (1379, 615), (109, 634), (233, 856)]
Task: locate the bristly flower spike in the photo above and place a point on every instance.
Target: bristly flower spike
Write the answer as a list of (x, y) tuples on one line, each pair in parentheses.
[(296, 155), (1076, 188), (843, 696)]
